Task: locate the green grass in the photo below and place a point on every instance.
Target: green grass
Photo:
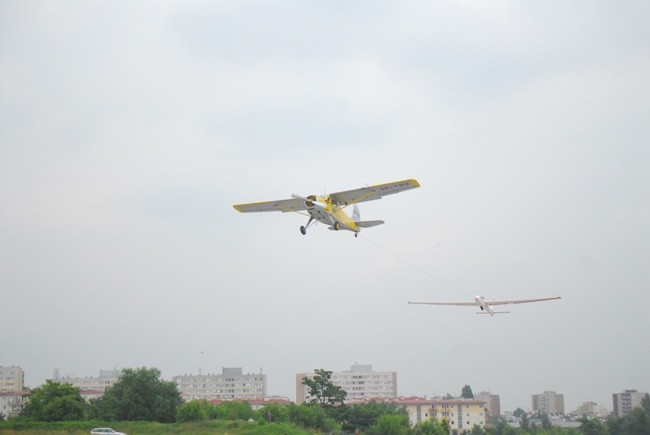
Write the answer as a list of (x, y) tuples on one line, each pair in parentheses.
[(218, 427)]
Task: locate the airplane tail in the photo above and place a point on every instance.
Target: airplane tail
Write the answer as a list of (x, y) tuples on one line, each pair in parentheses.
[(356, 217), (493, 312)]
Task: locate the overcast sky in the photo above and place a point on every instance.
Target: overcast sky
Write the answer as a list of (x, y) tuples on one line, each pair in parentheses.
[(128, 129)]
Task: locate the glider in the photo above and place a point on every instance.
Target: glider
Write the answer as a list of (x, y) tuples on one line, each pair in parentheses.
[(329, 209), (487, 307)]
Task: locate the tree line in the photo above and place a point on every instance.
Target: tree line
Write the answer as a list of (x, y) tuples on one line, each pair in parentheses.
[(141, 395)]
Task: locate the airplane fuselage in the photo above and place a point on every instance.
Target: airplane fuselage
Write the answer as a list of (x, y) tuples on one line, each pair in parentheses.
[(330, 214)]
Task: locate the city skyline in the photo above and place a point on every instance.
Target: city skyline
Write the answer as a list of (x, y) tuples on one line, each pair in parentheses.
[(529, 407), (129, 129)]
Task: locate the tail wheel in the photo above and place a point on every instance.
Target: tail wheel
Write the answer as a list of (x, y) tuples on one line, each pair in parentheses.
[(337, 226)]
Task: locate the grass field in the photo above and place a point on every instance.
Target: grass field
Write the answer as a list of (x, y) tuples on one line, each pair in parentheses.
[(146, 428)]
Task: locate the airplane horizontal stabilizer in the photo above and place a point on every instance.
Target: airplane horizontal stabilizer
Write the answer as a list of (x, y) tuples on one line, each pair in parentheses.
[(494, 312), (368, 224)]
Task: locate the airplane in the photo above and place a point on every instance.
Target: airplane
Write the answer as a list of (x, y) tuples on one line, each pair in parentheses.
[(329, 209), (487, 307)]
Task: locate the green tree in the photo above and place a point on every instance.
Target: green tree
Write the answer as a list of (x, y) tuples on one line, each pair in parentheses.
[(234, 410), (645, 404), (428, 427), (518, 412), (192, 411), (467, 392), (477, 430), (273, 413), (390, 424), (322, 390), (363, 416), (311, 416), (140, 394), (55, 402), (636, 422), (592, 427), (546, 422)]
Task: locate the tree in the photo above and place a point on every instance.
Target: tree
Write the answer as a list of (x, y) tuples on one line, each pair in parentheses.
[(467, 392), (393, 424), (592, 427), (192, 411), (55, 402), (322, 390), (645, 404), (273, 412), (311, 416), (140, 394), (524, 422), (428, 427), (361, 417), (518, 412), (234, 410)]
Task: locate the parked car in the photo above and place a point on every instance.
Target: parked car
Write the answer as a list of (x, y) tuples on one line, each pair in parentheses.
[(105, 431)]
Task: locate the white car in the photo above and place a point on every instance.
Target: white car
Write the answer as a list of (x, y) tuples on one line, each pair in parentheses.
[(105, 431)]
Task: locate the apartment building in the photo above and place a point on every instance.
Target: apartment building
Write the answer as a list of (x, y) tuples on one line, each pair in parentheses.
[(492, 403), (549, 402), (461, 414), (12, 403), (231, 384), (90, 384), (11, 379), (626, 401), (360, 383)]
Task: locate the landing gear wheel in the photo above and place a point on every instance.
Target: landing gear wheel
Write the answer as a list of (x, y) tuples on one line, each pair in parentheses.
[(337, 226), (303, 230)]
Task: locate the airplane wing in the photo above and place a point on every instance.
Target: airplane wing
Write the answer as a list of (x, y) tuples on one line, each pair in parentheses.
[(460, 304), (520, 301), (283, 205), (370, 193)]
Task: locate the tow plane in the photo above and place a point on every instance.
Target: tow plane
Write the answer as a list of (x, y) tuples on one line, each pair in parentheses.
[(330, 209), (487, 307)]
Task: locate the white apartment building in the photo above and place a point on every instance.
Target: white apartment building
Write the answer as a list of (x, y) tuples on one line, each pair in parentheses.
[(590, 409), (229, 385), (11, 379), (549, 402), (106, 379), (626, 401), (461, 414), (359, 383), (12, 403)]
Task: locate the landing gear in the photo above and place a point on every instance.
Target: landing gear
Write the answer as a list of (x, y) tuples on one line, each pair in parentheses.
[(337, 226), (303, 230)]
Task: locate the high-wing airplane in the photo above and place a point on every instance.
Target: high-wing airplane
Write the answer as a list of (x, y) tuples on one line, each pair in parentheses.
[(487, 307), (329, 209)]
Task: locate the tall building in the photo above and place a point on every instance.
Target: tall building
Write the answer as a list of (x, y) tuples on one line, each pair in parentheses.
[(626, 401), (230, 384), (11, 379), (492, 403), (548, 402), (106, 379), (359, 383)]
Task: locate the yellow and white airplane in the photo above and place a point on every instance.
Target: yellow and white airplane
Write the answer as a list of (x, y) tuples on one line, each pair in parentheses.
[(487, 307), (329, 209)]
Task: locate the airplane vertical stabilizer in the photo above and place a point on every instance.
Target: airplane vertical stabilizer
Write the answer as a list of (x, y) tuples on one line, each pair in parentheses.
[(355, 214)]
